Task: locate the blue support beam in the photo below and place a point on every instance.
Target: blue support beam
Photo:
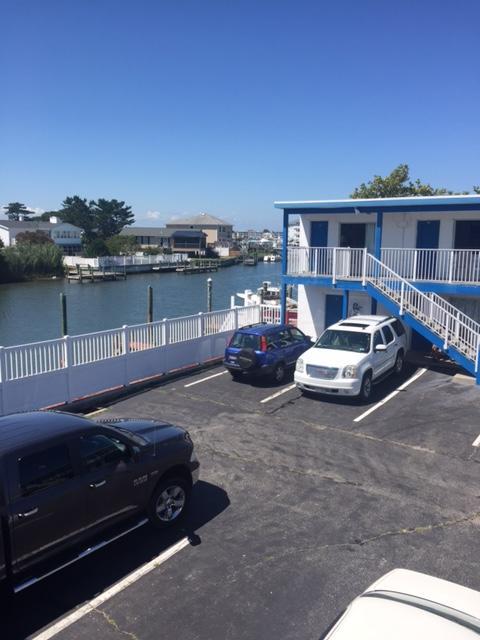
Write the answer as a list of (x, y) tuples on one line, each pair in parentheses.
[(345, 304), (283, 291), (378, 235)]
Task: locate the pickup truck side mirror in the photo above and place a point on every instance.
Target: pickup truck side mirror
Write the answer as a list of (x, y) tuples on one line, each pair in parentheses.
[(379, 348)]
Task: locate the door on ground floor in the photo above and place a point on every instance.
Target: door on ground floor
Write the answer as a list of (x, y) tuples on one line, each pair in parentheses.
[(333, 309)]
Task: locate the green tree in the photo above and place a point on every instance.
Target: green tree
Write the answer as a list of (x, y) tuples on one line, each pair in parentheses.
[(33, 237), (476, 190), (78, 211), (15, 209), (396, 185), (121, 245), (111, 216), (95, 247)]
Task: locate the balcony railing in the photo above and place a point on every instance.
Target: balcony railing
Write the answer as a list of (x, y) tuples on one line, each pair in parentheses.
[(454, 266)]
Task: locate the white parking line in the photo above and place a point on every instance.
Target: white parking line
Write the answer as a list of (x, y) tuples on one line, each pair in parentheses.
[(94, 413), (391, 395), (89, 607), (215, 375), (279, 393), (476, 442)]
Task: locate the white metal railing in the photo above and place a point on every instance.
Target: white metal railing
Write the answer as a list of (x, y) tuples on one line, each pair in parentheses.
[(440, 318), (33, 359), (336, 262), (457, 266), (127, 261), (435, 265)]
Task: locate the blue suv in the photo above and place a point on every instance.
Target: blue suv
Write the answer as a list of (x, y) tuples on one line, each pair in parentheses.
[(265, 349)]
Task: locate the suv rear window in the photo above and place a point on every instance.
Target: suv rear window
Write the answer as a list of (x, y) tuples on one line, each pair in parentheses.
[(245, 341)]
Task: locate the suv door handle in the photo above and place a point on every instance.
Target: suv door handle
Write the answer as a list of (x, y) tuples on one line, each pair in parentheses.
[(26, 514), (96, 485)]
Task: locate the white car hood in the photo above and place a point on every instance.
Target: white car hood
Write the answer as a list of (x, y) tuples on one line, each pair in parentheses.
[(332, 357)]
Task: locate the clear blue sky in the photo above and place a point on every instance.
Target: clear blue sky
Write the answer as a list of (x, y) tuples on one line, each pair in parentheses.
[(182, 106)]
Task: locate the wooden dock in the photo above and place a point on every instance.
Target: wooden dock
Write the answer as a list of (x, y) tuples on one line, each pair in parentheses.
[(81, 274), (199, 266)]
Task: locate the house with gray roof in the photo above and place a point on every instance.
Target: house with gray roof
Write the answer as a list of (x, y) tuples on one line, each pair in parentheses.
[(218, 231), (65, 235)]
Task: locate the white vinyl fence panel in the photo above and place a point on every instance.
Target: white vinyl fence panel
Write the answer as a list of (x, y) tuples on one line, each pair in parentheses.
[(53, 372)]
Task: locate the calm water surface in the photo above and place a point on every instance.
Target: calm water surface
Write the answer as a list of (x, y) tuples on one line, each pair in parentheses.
[(30, 311)]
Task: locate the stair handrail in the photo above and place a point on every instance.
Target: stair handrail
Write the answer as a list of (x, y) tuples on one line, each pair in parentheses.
[(473, 324), (474, 341)]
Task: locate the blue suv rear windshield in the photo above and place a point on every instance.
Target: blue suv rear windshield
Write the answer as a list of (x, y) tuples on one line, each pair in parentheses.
[(245, 341)]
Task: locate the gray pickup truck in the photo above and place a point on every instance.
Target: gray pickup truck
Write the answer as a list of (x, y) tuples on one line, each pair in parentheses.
[(66, 481)]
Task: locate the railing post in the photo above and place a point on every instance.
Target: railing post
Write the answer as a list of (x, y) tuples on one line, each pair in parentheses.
[(3, 380), (125, 348), (68, 363), (402, 293), (477, 360), (450, 266), (235, 323), (334, 265), (364, 267), (201, 325), (457, 325), (445, 342)]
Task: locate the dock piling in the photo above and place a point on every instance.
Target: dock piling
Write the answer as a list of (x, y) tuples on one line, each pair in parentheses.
[(209, 294), (149, 304), (63, 310)]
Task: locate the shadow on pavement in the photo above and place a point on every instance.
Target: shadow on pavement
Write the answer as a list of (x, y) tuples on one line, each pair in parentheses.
[(52, 598)]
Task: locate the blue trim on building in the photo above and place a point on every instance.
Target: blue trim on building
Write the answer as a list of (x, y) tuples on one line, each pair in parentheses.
[(446, 288), (388, 205), (283, 291), (378, 235), (345, 304)]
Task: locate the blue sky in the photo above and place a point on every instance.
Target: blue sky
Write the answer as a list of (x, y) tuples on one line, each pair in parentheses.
[(180, 106)]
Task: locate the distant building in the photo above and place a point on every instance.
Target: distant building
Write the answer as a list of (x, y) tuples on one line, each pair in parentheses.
[(176, 240), (65, 235), (294, 234), (218, 231)]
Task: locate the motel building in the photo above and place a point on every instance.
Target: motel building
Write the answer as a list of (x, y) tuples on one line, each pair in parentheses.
[(417, 258)]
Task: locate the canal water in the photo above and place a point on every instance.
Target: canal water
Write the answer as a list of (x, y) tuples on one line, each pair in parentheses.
[(30, 311)]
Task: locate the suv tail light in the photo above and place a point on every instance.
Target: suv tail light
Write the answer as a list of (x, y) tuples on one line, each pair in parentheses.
[(263, 343)]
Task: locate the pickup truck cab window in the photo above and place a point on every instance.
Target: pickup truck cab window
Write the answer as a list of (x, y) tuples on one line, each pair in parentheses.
[(98, 450), (44, 469)]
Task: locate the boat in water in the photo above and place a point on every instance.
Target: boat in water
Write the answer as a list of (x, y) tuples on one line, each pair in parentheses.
[(269, 295)]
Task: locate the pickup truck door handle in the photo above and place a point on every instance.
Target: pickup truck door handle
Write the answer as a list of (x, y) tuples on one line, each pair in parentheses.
[(26, 514), (96, 485)]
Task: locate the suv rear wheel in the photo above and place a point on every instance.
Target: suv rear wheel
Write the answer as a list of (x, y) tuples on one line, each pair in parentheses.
[(366, 388)]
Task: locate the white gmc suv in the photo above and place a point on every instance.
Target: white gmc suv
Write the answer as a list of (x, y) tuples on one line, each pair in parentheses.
[(352, 354)]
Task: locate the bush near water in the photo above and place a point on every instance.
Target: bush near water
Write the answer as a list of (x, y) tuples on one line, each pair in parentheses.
[(25, 261)]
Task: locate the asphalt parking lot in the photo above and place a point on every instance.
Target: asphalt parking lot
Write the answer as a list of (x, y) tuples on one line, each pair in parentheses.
[(302, 503)]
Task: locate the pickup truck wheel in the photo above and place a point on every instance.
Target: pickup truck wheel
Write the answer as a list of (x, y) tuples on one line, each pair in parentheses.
[(366, 388), (169, 502), (279, 372), (398, 367)]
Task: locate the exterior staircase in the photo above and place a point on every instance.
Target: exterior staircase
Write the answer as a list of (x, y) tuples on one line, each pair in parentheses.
[(433, 317)]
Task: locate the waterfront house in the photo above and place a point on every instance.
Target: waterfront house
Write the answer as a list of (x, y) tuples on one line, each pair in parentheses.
[(218, 232), (65, 235), (414, 257), (188, 241)]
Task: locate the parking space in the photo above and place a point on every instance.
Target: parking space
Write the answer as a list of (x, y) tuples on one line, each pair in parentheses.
[(299, 508)]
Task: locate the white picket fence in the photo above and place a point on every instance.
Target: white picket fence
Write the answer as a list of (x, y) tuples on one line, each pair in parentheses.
[(53, 372)]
